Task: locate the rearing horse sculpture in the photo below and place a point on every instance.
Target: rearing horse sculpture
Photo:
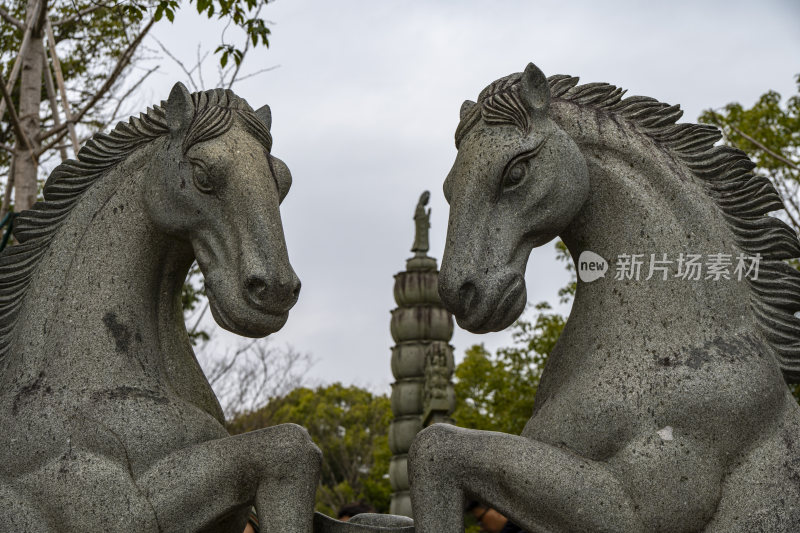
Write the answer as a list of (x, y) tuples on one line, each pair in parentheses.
[(663, 407), (108, 423)]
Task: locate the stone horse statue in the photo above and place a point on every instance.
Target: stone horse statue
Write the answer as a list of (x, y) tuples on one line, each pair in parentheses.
[(664, 405), (108, 422)]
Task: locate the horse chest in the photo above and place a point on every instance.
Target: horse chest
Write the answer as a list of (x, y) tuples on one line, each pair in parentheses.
[(721, 392), (150, 425)]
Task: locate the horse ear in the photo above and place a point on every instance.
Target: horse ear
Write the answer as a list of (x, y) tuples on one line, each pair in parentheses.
[(282, 176), (179, 108), (265, 114), (535, 90), (465, 107)]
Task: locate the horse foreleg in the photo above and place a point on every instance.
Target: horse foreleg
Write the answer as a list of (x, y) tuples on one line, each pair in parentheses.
[(539, 487), (197, 487)]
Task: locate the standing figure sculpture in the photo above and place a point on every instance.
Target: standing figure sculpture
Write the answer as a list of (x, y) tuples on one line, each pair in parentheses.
[(663, 406), (108, 423), (422, 224)]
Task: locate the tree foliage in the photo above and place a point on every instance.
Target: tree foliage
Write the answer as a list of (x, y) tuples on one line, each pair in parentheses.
[(496, 392), (96, 44), (350, 425), (769, 132)]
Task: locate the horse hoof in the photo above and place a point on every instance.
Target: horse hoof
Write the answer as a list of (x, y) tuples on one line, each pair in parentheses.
[(364, 523)]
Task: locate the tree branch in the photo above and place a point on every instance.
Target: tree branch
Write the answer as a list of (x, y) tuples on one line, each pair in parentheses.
[(769, 152), (130, 91), (80, 14), (123, 61), (9, 189), (5, 15), (257, 72), (244, 52), (51, 44), (12, 113), (200, 67), (51, 96), (12, 78), (55, 142), (787, 197), (179, 62)]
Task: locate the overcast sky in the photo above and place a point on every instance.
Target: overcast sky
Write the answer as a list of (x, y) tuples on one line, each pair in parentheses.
[(365, 103)]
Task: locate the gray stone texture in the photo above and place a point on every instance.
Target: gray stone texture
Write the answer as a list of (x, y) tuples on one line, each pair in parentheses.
[(108, 423), (664, 406), (364, 523), (422, 359)]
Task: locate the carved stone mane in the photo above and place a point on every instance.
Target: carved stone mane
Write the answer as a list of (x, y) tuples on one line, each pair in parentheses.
[(743, 198), (35, 229)]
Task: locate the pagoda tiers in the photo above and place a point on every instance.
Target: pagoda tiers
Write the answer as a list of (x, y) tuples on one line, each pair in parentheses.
[(422, 358)]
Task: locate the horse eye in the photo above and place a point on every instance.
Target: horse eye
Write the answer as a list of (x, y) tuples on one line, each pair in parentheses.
[(201, 180), (515, 174)]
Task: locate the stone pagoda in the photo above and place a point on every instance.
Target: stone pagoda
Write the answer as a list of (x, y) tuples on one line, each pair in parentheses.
[(422, 358)]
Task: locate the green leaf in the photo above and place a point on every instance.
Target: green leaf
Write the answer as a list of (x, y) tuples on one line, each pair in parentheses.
[(350, 425)]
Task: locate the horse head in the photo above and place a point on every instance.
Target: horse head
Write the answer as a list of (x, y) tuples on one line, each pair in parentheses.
[(220, 193), (518, 181)]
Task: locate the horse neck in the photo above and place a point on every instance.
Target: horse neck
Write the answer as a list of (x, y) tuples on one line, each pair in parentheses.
[(644, 201), (117, 283)]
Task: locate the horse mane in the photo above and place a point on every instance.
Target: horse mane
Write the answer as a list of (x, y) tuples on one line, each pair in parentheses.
[(725, 173), (34, 229)]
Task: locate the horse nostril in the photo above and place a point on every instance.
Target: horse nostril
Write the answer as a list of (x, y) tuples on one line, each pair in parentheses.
[(296, 290), (466, 295), (256, 289)]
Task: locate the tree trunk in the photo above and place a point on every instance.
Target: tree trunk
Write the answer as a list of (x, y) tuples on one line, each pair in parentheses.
[(30, 97)]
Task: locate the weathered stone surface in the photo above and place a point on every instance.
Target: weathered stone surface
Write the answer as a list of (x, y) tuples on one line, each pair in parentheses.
[(407, 396), (663, 407), (421, 323), (398, 472), (364, 523), (108, 423), (415, 287), (382, 520), (402, 432)]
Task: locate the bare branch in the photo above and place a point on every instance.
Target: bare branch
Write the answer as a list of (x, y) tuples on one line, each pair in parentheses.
[(51, 96), (55, 142), (8, 17), (247, 378), (115, 73), (179, 63), (51, 43), (199, 318), (766, 150), (223, 366), (200, 66), (788, 197), (9, 189), (80, 14), (12, 113), (127, 94), (256, 73)]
